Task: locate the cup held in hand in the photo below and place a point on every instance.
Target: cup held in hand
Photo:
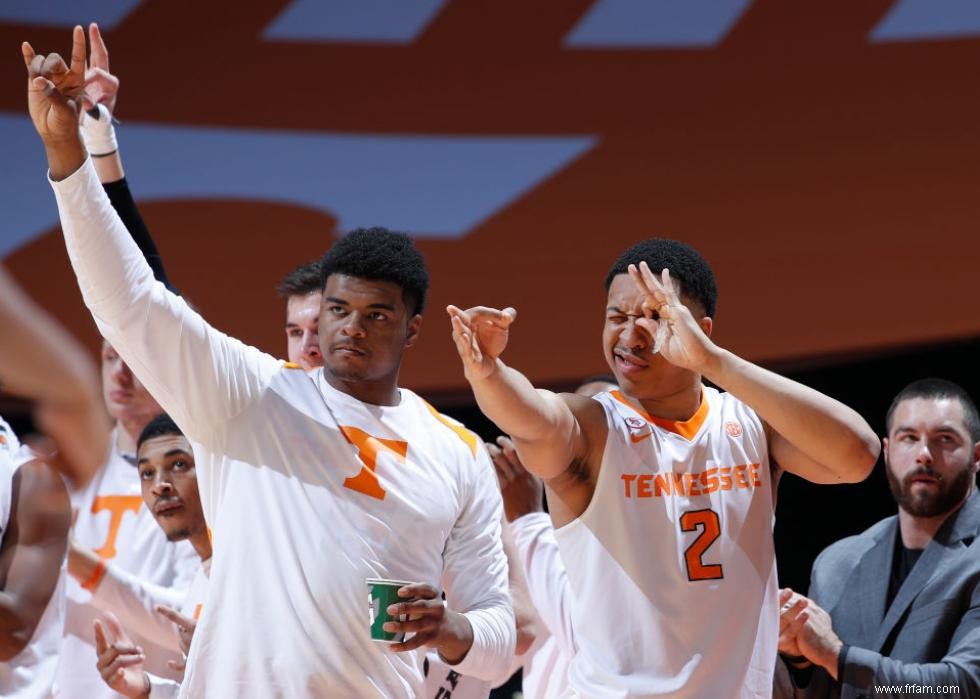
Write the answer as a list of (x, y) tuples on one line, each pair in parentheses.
[(381, 594)]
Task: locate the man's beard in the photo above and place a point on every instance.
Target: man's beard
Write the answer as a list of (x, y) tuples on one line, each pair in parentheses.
[(927, 503)]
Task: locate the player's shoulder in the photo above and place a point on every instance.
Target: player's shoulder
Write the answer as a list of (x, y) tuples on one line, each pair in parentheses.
[(444, 427)]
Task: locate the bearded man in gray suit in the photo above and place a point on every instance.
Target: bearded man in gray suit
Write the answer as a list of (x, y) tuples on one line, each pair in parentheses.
[(895, 611)]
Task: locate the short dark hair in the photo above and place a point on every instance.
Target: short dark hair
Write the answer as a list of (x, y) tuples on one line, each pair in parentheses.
[(159, 426), (686, 265), (303, 280), (382, 255), (936, 389)]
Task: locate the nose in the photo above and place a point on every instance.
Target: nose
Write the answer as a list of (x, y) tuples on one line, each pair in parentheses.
[(633, 336), (923, 455), (121, 373), (352, 326), (162, 485), (311, 343)]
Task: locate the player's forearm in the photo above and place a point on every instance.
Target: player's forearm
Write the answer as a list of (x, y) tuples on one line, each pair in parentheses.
[(520, 410), (494, 639), (65, 156), (134, 602), (824, 429), (547, 579)]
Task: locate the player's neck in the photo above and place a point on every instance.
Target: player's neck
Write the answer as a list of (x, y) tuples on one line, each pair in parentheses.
[(679, 404), (380, 392)]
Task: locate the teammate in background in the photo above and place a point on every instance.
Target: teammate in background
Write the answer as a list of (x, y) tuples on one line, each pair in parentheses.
[(663, 493), (545, 665), (40, 361), (302, 290), (341, 463), (169, 480)]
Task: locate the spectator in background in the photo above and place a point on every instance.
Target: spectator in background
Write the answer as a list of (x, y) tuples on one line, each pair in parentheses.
[(899, 604)]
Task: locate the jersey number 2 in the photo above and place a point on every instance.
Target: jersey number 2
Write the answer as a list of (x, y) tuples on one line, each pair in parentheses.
[(707, 521)]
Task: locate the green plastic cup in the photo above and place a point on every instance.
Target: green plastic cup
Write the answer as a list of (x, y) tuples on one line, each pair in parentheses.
[(381, 594)]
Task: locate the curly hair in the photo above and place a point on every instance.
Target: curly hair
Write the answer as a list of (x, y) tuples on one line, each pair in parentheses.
[(686, 265), (382, 255)]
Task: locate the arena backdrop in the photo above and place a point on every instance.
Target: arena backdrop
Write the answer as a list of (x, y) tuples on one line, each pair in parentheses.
[(822, 154)]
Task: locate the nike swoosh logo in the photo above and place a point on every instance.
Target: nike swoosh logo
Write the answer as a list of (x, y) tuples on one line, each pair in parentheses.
[(639, 438)]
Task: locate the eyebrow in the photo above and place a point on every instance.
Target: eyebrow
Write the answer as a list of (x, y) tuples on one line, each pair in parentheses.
[(385, 306), (172, 452), (941, 428)]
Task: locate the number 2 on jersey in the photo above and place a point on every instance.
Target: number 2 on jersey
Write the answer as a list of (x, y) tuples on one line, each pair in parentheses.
[(707, 521)]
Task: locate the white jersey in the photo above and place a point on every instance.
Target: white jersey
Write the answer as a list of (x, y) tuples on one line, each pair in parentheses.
[(673, 562), (308, 491), (546, 662), (29, 674), (142, 569), (161, 688)]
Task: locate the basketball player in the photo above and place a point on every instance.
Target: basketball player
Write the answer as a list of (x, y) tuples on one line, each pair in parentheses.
[(662, 493), (316, 481), (169, 481)]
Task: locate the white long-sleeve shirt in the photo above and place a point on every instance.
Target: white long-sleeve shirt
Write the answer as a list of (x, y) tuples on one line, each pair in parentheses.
[(308, 492), (547, 661), (142, 569)]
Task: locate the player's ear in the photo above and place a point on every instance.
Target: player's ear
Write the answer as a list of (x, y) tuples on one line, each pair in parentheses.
[(706, 324), (414, 326)]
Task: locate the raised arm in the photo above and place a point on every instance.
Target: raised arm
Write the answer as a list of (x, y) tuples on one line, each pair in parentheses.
[(811, 435), (200, 376), (32, 553), (39, 360), (543, 425), (99, 137)]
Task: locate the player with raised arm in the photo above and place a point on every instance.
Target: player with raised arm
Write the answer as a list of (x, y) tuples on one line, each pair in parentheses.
[(316, 481), (663, 492)]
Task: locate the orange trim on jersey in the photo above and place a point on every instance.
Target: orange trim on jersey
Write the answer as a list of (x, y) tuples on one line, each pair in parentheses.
[(197, 611), (686, 429), (291, 365), (463, 433), (95, 578)]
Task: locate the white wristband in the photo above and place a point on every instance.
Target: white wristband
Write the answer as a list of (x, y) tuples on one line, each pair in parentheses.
[(98, 133)]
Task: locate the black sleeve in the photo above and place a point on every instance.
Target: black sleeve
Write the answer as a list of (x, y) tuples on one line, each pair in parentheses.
[(124, 204)]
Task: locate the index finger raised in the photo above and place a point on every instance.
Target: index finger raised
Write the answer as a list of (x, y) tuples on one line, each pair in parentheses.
[(174, 616), (28, 52), (78, 51), (99, 57)]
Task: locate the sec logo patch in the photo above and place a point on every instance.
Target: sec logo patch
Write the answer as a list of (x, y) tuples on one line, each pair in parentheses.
[(733, 429)]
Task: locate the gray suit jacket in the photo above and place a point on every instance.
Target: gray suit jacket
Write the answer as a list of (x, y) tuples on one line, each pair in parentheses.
[(930, 635)]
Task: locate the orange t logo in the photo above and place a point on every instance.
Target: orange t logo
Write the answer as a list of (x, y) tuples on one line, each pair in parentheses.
[(117, 506), (368, 448)]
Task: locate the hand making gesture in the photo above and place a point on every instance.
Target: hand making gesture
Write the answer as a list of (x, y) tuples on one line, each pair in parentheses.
[(676, 334), (54, 89), (481, 335)]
